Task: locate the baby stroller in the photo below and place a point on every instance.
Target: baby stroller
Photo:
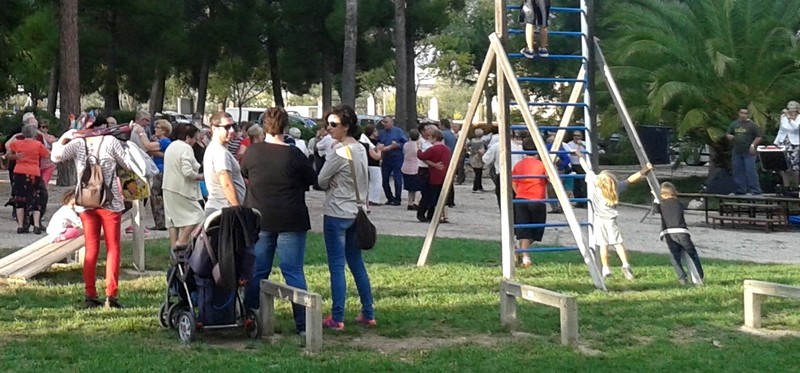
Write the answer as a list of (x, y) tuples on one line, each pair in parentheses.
[(199, 292)]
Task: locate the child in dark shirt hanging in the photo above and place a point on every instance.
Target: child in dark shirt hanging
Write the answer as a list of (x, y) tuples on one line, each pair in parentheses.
[(675, 232)]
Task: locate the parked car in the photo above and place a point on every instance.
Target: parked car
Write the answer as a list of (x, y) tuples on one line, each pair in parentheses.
[(375, 120)]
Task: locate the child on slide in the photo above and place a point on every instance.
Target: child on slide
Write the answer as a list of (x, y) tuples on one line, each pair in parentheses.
[(65, 223), (604, 190)]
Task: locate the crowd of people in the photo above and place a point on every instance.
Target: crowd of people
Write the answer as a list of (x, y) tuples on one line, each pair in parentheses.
[(196, 170)]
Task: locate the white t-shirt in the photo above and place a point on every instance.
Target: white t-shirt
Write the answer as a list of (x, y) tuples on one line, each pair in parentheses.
[(64, 218), (216, 159)]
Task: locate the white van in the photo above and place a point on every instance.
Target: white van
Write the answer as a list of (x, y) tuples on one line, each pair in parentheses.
[(248, 114)]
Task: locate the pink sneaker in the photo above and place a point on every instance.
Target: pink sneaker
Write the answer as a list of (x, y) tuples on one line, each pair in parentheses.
[(368, 323), (329, 323)]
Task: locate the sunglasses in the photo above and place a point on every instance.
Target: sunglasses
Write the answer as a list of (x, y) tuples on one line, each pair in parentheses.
[(227, 127), (333, 124), (43, 127)]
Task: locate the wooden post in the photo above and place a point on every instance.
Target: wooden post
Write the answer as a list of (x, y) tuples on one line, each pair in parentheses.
[(752, 308), (314, 325), (138, 236), (266, 312), (569, 321), (508, 308)]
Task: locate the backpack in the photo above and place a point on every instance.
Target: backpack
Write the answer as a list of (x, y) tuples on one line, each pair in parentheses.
[(92, 191)]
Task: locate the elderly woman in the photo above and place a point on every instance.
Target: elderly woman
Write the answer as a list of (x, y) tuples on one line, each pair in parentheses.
[(26, 189), (255, 134), (789, 136), (162, 130), (340, 209), (111, 155), (180, 188), (279, 176)]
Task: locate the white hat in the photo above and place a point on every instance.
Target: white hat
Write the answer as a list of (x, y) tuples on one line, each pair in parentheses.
[(27, 116), (793, 105), (295, 132)]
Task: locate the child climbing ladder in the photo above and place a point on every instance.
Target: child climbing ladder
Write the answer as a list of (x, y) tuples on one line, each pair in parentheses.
[(535, 13)]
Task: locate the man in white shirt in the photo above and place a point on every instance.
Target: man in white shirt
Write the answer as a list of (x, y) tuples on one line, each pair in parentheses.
[(579, 189), (221, 171)]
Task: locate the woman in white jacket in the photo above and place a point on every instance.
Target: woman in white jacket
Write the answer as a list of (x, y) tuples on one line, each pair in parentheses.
[(181, 190), (789, 136)]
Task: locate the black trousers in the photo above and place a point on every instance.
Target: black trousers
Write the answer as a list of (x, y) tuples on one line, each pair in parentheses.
[(579, 188), (477, 184), (677, 244)]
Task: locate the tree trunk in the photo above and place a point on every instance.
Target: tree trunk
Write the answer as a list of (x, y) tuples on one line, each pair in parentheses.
[(401, 68), (274, 71), (202, 86), (156, 102), (111, 82), (70, 80), (327, 85), (52, 90), (411, 88), (349, 55)]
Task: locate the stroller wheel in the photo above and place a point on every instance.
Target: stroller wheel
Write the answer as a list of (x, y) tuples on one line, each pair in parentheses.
[(252, 326), (187, 330), (173, 312), (163, 316)]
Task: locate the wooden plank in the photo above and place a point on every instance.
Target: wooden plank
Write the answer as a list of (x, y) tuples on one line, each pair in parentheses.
[(772, 289), (752, 205), (22, 253), (33, 256), (534, 294), (46, 261), (289, 293), (312, 302), (460, 144)]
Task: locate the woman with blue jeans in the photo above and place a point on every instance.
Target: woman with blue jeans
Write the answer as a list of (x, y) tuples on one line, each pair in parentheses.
[(279, 176), (340, 209)]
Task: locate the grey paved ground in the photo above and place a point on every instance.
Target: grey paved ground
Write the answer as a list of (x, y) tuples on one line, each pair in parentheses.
[(476, 217)]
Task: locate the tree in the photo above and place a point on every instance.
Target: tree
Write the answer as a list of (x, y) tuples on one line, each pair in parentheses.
[(70, 80), (726, 54), (350, 52), (401, 65)]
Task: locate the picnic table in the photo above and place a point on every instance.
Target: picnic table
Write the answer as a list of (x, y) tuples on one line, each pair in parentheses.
[(756, 211)]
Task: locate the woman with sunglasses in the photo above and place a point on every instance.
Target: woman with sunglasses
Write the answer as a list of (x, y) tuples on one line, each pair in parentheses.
[(340, 209)]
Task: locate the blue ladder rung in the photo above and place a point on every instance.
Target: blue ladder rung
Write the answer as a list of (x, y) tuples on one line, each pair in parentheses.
[(563, 176), (549, 80), (545, 249), (552, 56), (522, 127), (549, 225), (517, 31), (561, 104), (548, 200), (535, 152), (554, 9)]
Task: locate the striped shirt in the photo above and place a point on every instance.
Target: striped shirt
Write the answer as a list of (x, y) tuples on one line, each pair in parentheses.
[(111, 154)]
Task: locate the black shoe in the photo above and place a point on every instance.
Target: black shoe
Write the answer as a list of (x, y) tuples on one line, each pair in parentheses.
[(112, 302), (157, 228), (91, 302), (22, 230), (37, 230)]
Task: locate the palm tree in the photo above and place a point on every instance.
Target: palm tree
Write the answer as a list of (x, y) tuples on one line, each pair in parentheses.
[(692, 64), (349, 61)]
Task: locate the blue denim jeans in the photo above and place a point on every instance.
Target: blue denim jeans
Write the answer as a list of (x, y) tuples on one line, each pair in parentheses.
[(744, 173), (341, 245), (390, 168), (291, 248)]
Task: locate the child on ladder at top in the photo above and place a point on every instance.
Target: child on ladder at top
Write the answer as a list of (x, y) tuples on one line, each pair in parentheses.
[(535, 13), (604, 193), (675, 232)]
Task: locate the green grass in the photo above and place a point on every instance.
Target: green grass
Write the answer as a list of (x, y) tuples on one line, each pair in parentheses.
[(640, 193), (440, 318)]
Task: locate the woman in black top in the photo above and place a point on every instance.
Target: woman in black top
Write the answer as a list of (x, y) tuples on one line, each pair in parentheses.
[(279, 176)]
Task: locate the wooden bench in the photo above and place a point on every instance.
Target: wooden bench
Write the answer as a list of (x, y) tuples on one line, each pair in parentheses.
[(311, 301), (769, 223), (568, 306), (754, 294)]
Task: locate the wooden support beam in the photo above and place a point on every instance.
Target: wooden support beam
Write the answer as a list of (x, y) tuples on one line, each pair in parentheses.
[(566, 304), (754, 294), (460, 144), (311, 301)]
